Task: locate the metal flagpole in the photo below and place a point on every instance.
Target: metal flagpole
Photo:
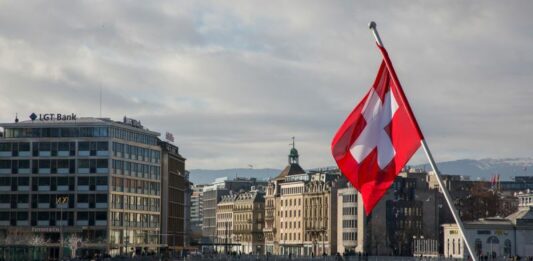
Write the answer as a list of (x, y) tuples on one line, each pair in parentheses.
[(447, 197)]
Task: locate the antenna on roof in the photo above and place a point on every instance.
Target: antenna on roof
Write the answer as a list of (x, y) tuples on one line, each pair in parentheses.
[(16, 117), (100, 101)]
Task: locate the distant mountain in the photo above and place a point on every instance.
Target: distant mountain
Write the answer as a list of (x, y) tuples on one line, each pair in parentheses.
[(486, 168), (475, 169), (204, 176)]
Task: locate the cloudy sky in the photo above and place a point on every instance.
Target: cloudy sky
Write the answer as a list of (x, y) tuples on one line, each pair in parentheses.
[(235, 80)]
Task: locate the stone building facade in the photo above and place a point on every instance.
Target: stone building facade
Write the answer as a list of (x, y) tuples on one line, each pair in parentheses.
[(225, 238), (301, 211), (248, 220)]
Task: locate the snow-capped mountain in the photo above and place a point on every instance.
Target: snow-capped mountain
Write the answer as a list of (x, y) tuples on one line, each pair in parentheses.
[(486, 168)]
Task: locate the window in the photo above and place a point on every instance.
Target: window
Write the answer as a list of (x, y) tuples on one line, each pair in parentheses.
[(478, 246), (102, 146), (5, 164)]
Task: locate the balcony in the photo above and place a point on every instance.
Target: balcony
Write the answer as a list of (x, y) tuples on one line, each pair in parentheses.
[(4, 223), (5, 205), (23, 188), (5, 188), (83, 187), (83, 170), (62, 171), (24, 153), (102, 187), (5, 154), (100, 223), (43, 205)]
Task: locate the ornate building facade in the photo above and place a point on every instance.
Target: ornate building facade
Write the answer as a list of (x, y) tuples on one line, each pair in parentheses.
[(248, 220), (225, 224), (300, 211)]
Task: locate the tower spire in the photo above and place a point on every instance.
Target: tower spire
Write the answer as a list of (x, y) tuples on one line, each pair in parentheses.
[(293, 155)]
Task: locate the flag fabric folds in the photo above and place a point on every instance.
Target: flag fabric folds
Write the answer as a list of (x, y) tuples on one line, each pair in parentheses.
[(378, 137)]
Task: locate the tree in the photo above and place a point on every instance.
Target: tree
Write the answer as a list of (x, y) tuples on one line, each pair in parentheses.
[(73, 242)]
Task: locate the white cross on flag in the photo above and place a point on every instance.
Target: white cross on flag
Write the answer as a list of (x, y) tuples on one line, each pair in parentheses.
[(378, 138)]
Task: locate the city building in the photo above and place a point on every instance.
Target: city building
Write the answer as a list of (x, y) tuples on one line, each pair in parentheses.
[(408, 215), (495, 237), (347, 220), (301, 211), (174, 198), (225, 237), (212, 194), (248, 221), (92, 181), (197, 214)]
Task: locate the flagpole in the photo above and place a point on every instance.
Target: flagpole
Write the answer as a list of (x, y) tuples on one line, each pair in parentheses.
[(447, 197)]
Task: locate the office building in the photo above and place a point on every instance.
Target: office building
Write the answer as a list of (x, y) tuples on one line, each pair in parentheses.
[(89, 178), (347, 220), (197, 214), (174, 198)]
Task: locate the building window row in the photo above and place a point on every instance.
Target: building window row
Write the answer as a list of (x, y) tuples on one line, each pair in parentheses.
[(136, 203), (54, 166), (54, 218), (135, 186), (349, 223), (349, 211), (349, 198), (133, 169), (136, 153), (53, 183), (291, 202), (290, 225), (56, 132), (124, 134), (349, 236), (123, 219)]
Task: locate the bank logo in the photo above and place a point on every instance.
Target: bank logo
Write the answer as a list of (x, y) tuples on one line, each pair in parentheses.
[(33, 116)]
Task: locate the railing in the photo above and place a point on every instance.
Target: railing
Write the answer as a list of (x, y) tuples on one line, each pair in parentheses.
[(216, 257)]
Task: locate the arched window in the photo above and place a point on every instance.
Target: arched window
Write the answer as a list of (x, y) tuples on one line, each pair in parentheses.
[(493, 240), (507, 248), (453, 246)]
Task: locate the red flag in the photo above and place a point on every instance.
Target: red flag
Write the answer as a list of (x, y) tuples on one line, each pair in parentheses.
[(378, 138)]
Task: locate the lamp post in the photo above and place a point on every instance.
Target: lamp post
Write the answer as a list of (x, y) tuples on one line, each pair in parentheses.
[(126, 241), (61, 201)]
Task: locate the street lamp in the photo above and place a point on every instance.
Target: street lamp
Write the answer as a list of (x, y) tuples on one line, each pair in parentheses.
[(126, 242), (61, 201)]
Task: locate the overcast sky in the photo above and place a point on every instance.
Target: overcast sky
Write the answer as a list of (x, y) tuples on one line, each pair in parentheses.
[(235, 80)]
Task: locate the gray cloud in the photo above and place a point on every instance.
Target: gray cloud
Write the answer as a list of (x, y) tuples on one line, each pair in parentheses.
[(235, 80)]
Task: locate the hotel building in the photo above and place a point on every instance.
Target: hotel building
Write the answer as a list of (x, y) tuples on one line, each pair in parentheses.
[(90, 179)]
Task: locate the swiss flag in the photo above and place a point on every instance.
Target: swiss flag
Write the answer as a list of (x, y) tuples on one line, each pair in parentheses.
[(378, 138)]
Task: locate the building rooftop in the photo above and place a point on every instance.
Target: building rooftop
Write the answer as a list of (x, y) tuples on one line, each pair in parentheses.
[(73, 120)]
